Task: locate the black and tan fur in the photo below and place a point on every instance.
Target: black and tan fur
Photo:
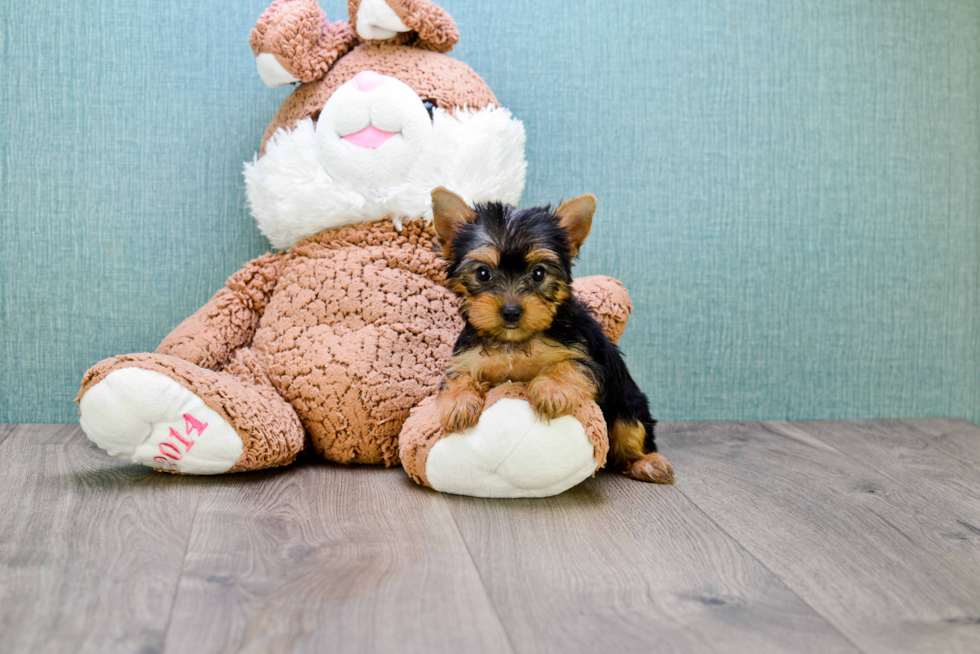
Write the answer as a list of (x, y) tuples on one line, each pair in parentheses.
[(512, 269)]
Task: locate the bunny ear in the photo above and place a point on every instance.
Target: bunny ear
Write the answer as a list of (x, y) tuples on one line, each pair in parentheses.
[(352, 6), (293, 42), (435, 27), (431, 26)]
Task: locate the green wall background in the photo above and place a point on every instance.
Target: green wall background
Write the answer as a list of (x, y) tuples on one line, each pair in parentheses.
[(790, 189)]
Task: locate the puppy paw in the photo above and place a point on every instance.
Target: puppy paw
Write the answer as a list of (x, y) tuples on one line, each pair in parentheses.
[(653, 467), (552, 399), (460, 410)]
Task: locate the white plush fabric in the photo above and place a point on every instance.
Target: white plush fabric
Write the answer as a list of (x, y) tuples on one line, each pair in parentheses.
[(376, 21), (390, 106), (510, 453), (271, 71), (310, 179), (142, 417)]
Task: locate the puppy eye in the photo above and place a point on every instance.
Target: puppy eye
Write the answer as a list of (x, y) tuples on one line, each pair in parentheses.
[(537, 275), (483, 274), (430, 107)]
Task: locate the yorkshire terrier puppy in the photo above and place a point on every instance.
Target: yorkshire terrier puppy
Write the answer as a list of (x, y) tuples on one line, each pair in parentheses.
[(512, 269)]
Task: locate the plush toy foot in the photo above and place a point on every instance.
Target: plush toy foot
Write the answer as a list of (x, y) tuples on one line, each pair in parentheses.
[(654, 467), (169, 414), (147, 418), (509, 453)]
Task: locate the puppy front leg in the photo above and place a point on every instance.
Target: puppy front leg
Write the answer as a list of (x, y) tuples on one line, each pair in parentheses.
[(460, 402), (560, 389)]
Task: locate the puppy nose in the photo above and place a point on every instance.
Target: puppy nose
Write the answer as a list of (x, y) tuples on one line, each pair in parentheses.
[(511, 312), (368, 80)]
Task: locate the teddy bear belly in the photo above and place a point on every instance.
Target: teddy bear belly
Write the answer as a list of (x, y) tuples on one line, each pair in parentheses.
[(354, 348)]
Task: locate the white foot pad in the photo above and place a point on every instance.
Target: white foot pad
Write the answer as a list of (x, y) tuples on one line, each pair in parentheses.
[(510, 453), (147, 418)]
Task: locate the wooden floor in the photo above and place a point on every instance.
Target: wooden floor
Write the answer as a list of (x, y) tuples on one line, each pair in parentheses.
[(778, 537)]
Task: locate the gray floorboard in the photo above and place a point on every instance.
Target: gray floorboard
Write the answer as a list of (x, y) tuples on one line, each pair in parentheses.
[(90, 547), (320, 557), (929, 467), (836, 517), (620, 566), (778, 537), (958, 439)]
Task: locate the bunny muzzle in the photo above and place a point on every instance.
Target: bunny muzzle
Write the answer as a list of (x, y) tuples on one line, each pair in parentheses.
[(371, 131)]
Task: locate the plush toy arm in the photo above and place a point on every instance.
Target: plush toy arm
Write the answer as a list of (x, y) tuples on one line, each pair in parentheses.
[(293, 42), (609, 301), (228, 321)]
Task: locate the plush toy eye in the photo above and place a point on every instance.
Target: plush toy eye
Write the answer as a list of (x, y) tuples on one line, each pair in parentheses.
[(537, 275), (483, 275), (430, 107)]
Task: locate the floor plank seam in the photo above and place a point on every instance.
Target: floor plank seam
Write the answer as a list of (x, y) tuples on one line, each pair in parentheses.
[(771, 427), (180, 572), (765, 567), (483, 584), (6, 433)]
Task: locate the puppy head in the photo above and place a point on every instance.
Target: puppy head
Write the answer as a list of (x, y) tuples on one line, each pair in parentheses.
[(512, 268)]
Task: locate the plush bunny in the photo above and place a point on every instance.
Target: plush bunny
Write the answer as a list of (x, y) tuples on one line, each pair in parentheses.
[(337, 341)]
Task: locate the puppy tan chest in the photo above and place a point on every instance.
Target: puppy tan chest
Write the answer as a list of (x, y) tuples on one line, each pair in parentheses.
[(518, 363)]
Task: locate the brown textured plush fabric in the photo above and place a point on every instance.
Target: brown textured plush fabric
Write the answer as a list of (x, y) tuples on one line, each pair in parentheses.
[(422, 429), (298, 34), (338, 338), (447, 82), (357, 333), (432, 26), (609, 301)]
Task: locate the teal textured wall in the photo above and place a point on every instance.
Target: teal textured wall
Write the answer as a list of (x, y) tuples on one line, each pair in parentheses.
[(790, 189)]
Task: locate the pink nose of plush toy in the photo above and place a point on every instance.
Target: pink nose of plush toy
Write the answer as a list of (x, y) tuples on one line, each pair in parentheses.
[(368, 80)]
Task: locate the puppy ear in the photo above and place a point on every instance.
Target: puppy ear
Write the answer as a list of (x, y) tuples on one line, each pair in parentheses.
[(576, 218), (449, 212)]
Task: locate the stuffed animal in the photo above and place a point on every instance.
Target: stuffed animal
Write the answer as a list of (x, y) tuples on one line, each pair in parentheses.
[(336, 343)]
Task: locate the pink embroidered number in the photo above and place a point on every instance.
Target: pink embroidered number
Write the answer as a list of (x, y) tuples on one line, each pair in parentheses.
[(171, 448), (192, 424)]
